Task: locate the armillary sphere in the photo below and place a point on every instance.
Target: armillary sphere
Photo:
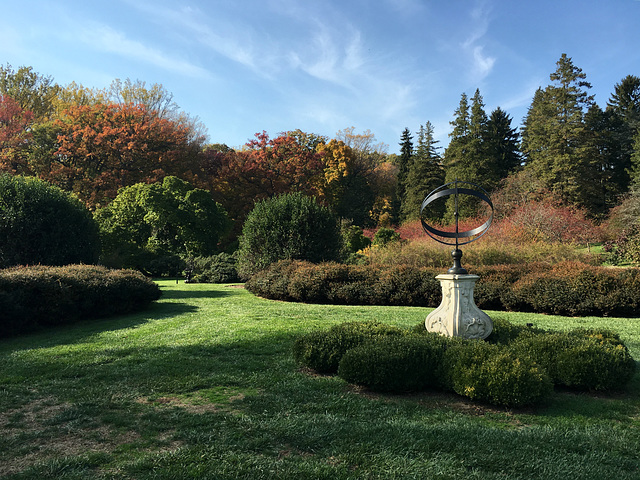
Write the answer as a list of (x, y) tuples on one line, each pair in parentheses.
[(454, 188)]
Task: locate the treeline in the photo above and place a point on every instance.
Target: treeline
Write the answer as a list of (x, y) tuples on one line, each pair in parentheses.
[(94, 142)]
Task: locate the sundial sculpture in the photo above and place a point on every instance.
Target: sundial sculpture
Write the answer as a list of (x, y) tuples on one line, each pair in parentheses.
[(457, 315)]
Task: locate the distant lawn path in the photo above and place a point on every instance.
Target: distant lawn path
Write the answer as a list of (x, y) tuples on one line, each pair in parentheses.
[(202, 385)]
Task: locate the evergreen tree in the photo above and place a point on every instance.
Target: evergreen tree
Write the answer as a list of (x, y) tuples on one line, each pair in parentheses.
[(625, 101), (465, 158), (554, 138), (405, 161), (609, 157), (623, 110), (425, 175), (502, 147), (634, 171)]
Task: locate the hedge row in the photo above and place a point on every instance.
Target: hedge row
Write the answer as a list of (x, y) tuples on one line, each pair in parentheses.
[(517, 366), (568, 288), (40, 296)]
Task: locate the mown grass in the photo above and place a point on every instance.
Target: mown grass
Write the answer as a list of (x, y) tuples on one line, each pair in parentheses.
[(203, 385)]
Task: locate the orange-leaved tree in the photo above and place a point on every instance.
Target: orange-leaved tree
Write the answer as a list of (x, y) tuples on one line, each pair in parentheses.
[(104, 147)]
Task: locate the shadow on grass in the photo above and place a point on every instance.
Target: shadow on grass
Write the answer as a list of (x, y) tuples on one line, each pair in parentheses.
[(288, 414), (175, 293), (263, 362), (82, 330)]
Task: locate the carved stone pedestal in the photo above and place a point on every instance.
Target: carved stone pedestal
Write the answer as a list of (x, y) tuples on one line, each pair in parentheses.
[(458, 315)]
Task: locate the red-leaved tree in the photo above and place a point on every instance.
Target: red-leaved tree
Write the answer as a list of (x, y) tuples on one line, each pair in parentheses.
[(266, 168), (14, 136)]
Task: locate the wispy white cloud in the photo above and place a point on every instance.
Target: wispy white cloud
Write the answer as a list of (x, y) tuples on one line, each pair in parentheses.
[(481, 63), (331, 57), (107, 39), (523, 97), (229, 38)]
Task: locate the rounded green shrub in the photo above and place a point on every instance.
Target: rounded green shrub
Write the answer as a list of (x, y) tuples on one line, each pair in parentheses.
[(288, 227), (322, 350), (505, 332), (593, 364), (219, 268), (512, 381), (384, 236), (461, 360), (41, 224), (482, 371), (34, 297), (543, 349), (396, 363)]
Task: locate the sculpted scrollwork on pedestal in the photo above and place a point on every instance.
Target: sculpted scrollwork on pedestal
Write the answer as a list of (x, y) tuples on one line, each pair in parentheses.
[(438, 326), (474, 328), (457, 314)]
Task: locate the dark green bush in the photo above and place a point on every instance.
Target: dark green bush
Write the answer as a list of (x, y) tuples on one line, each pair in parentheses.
[(519, 369), (33, 297), (505, 332), (347, 284), (219, 268), (165, 266), (564, 289), (385, 236), (323, 350), (396, 363), (586, 359), (353, 238), (485, 372), (544, 349), (41, 224), (291, 226), (593, 364)]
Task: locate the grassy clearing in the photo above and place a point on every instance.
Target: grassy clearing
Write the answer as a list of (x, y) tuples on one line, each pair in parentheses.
[(202, 385)]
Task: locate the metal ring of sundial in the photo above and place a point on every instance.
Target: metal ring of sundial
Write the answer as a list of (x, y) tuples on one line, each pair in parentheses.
[(445, 191)]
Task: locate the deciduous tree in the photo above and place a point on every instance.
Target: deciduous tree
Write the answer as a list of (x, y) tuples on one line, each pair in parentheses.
[(101, 148), (33, 92), (146, 221), (15, 134), (265, 168)]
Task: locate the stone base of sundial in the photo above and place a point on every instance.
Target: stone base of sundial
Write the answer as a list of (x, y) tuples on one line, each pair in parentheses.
[(458, 315)]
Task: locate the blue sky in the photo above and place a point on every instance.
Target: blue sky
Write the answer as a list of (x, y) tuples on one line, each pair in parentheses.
[(243, 66)]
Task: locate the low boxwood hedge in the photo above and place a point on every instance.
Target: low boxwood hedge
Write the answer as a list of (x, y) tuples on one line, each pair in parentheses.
[(40, 296), (516, 368), (397, 363), (568, 288), (322, 351)]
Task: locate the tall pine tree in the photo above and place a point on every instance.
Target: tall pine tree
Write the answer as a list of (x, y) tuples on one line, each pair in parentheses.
[(554, 136), (466, 158), (405, 160), (623, 109), (425, 175), (502, 147)]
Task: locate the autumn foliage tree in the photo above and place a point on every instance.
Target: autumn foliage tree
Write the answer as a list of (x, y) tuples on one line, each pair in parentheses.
[(265, 168), (14, 135), (101, 148)]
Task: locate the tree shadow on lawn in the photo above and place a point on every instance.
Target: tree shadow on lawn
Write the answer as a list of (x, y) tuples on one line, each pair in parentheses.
[(83, 330), (176, 293), (264, 363), (273, 404)]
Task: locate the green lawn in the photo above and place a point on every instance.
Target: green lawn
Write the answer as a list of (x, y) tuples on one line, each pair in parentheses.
[(203, 385)]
